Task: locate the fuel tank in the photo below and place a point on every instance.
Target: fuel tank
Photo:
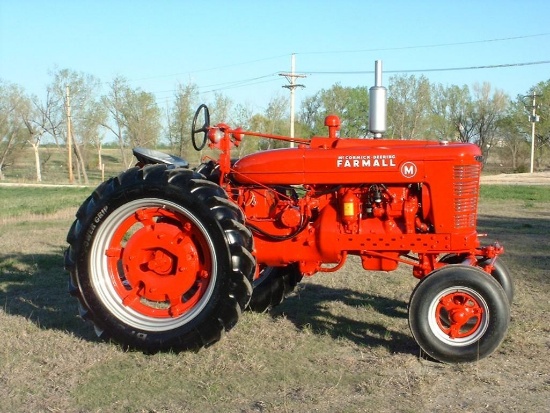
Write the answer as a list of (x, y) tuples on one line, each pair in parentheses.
[(353, 161)]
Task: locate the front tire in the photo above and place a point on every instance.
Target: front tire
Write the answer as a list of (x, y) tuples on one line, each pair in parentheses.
[(458, 314), (160, 259), (500, 272)]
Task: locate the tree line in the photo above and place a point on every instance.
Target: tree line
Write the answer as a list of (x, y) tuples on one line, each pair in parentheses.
[(128, 117)]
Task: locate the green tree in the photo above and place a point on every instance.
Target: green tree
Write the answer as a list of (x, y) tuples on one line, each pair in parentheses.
[(351, 105), (142, 118), (408, 107), (542, 127), (134, 116), (513, 144), (275, 121)]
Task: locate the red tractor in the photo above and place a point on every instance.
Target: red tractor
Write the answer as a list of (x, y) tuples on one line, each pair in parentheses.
[(166, 257)]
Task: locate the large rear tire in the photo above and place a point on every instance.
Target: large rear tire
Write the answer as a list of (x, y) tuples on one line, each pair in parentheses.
[(458, 314), (160, 259), (272, 286)]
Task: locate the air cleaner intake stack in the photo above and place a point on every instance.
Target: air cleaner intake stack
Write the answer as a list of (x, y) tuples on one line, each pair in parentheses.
[(377, 103)]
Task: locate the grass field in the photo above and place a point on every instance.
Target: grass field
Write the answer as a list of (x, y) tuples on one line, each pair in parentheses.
[(54, 165), (340, 343)]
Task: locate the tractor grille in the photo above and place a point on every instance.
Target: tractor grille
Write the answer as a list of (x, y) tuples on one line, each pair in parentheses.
[(466, 191)]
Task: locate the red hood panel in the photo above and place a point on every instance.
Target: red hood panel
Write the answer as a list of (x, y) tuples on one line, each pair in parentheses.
[(328, 161)]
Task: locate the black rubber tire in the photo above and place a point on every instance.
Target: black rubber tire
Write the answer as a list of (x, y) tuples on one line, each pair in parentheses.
[(273, 285), (210, 170), (425, 320), (500, 272), (222, 242)]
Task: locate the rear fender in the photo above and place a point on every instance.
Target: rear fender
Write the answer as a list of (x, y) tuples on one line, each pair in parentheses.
[(147, 156)]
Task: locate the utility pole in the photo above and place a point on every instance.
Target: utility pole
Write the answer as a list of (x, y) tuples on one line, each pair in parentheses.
[(291, 77), (69, 138), (533, 118)]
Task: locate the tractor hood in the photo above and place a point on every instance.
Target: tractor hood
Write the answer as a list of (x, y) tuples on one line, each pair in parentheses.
[(336, 161)]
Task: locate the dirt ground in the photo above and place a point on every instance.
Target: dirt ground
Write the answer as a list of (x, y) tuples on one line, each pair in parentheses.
[(340, 343), (536, 178)]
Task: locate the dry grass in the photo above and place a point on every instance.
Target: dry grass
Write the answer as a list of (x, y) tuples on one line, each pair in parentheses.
[(340, 344)]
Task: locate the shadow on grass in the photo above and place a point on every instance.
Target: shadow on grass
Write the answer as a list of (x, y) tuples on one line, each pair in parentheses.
[(35, 286), (496, 225), (313, 308), (525, 242)]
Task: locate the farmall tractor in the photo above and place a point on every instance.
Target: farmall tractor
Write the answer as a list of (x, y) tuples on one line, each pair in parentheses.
[(164, 257)]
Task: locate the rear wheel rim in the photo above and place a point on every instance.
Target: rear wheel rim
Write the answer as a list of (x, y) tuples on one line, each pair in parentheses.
[(458, 316), (153, 264)]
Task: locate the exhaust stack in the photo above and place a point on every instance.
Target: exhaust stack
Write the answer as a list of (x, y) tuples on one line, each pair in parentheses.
[(377, 103)]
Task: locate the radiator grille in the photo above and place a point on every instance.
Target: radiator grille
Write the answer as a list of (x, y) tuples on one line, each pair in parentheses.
[(466, 192)]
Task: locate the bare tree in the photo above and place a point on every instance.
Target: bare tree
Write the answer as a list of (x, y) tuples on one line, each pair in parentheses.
[(487, 109), (513, 137), (36, 132), (134, 116), (182, 112), (221, 109), (242, 115), (273, 121), (13, 133), (449, 106), (114, 103), (83, 90), (49, 115)]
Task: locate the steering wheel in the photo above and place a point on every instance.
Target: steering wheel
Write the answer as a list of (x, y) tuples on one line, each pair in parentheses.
[(203, 113)]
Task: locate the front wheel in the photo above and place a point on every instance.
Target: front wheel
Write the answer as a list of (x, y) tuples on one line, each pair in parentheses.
[(159, 259), (458, 314), (500, 271)]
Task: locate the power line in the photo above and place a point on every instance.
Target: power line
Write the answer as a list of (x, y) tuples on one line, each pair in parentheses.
[(238, 82), (344, 51), (229, 85), (211, 68), (265, 78), (384, 49), (238, 85), (447, 69)]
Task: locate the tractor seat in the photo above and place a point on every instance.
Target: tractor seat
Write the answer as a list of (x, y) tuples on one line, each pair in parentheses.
[(150, 156)]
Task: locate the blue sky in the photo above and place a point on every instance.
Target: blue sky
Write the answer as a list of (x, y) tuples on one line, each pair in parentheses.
[(238, 47)]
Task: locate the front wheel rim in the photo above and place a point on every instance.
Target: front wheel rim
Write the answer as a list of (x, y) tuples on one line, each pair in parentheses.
[(458, 316), (153, 264)]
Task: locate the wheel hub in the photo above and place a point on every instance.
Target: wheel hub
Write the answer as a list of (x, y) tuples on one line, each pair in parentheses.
[(458, 315), (161, 269)]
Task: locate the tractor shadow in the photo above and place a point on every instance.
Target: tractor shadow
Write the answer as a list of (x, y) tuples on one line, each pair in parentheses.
[(342, 313), (35, 287), (525, 242)]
